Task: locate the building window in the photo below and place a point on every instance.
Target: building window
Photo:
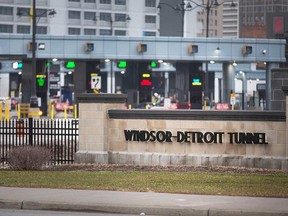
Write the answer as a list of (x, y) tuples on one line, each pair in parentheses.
[(147, 33), (41, 30), (90, 16), (6, 28), (74, 31), (89, 31), (21, 29), (120, 17), (105, 16), (120, 32), (105, 1), (120, 2), (41, 13), (90, 1), (23, 11), (150, 19), (6, 11), (105, 32), (74, 0), (150, 3), (74, 14)]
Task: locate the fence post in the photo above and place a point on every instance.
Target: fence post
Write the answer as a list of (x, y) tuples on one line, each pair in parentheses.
[(30, 131)]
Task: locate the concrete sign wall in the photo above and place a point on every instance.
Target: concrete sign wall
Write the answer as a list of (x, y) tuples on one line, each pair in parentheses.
[(233, 138)]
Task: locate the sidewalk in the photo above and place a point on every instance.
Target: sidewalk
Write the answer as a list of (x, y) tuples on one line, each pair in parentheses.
[(136, 202)]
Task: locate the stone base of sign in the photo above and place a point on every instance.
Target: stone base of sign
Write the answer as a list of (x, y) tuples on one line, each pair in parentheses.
[(91, 157), (181, 159)]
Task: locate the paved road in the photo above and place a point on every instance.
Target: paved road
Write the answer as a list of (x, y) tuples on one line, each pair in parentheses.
[(136, 202)]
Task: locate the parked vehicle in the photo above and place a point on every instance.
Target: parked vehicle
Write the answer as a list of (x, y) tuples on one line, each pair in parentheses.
[(175, 104), (222, 106)]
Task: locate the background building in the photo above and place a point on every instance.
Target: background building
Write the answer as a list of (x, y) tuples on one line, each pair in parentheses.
[(82, 17)]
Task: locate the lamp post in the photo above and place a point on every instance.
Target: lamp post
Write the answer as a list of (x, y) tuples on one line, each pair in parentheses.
[(33, 98)]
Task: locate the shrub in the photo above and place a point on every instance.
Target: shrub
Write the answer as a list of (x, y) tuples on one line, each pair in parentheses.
[(28, 158)]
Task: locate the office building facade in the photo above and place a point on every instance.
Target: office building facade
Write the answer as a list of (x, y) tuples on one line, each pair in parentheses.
[(81, 17)]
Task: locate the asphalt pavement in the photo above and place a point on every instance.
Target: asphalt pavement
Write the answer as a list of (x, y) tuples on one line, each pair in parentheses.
[(148, 203)]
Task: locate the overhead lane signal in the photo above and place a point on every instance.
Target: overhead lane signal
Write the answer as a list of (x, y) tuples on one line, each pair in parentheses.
[(246, 50), (89, 47), (142, 48), (192, 49)]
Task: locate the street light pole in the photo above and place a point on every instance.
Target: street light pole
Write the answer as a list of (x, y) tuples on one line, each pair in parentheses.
[(206, 75), (183, 16), (33, 98)]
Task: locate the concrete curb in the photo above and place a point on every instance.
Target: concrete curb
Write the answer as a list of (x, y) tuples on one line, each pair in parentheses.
[(126, 209), (9, 204)]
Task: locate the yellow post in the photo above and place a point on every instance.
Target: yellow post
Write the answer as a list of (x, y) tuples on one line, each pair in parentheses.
[(7, 112), (52, 112), (129, 106), (49, 108), (204, 104), (1, 107), (65, 113), (75, 111), (232, 107), (18, 111)]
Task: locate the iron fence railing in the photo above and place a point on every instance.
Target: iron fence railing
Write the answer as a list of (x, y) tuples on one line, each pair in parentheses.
[(59, 135)]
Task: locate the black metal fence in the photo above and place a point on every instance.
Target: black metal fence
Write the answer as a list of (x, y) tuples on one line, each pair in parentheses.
[(59, 135)]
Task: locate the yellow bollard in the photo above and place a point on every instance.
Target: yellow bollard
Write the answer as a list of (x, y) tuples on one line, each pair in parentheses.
[(65, 113), (232, 107), (129, 106), (7, 112), (1, 107), (49, 108), (52, 112), (204, 104), (18, 111), (75, 111)]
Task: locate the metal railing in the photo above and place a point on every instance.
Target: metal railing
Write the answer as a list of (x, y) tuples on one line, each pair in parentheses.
[(59, 135)]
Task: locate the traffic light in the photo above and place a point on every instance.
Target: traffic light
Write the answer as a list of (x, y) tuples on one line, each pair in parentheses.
[(88, 47), (247, 50), (192, 49), (69, 65), (142, 48), (41, 82)]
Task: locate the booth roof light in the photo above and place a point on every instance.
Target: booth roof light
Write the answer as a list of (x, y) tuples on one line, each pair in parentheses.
[(122, 64), (146, 82), (146, 75), (196, 82), (70, 65)]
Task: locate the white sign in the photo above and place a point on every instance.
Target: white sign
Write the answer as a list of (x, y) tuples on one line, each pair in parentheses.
[(95, 82)]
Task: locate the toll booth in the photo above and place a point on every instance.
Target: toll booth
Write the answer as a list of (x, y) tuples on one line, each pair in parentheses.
[(196, 85)]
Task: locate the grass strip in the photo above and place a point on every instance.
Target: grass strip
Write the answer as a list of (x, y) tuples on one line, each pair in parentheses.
[(260, 185)]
